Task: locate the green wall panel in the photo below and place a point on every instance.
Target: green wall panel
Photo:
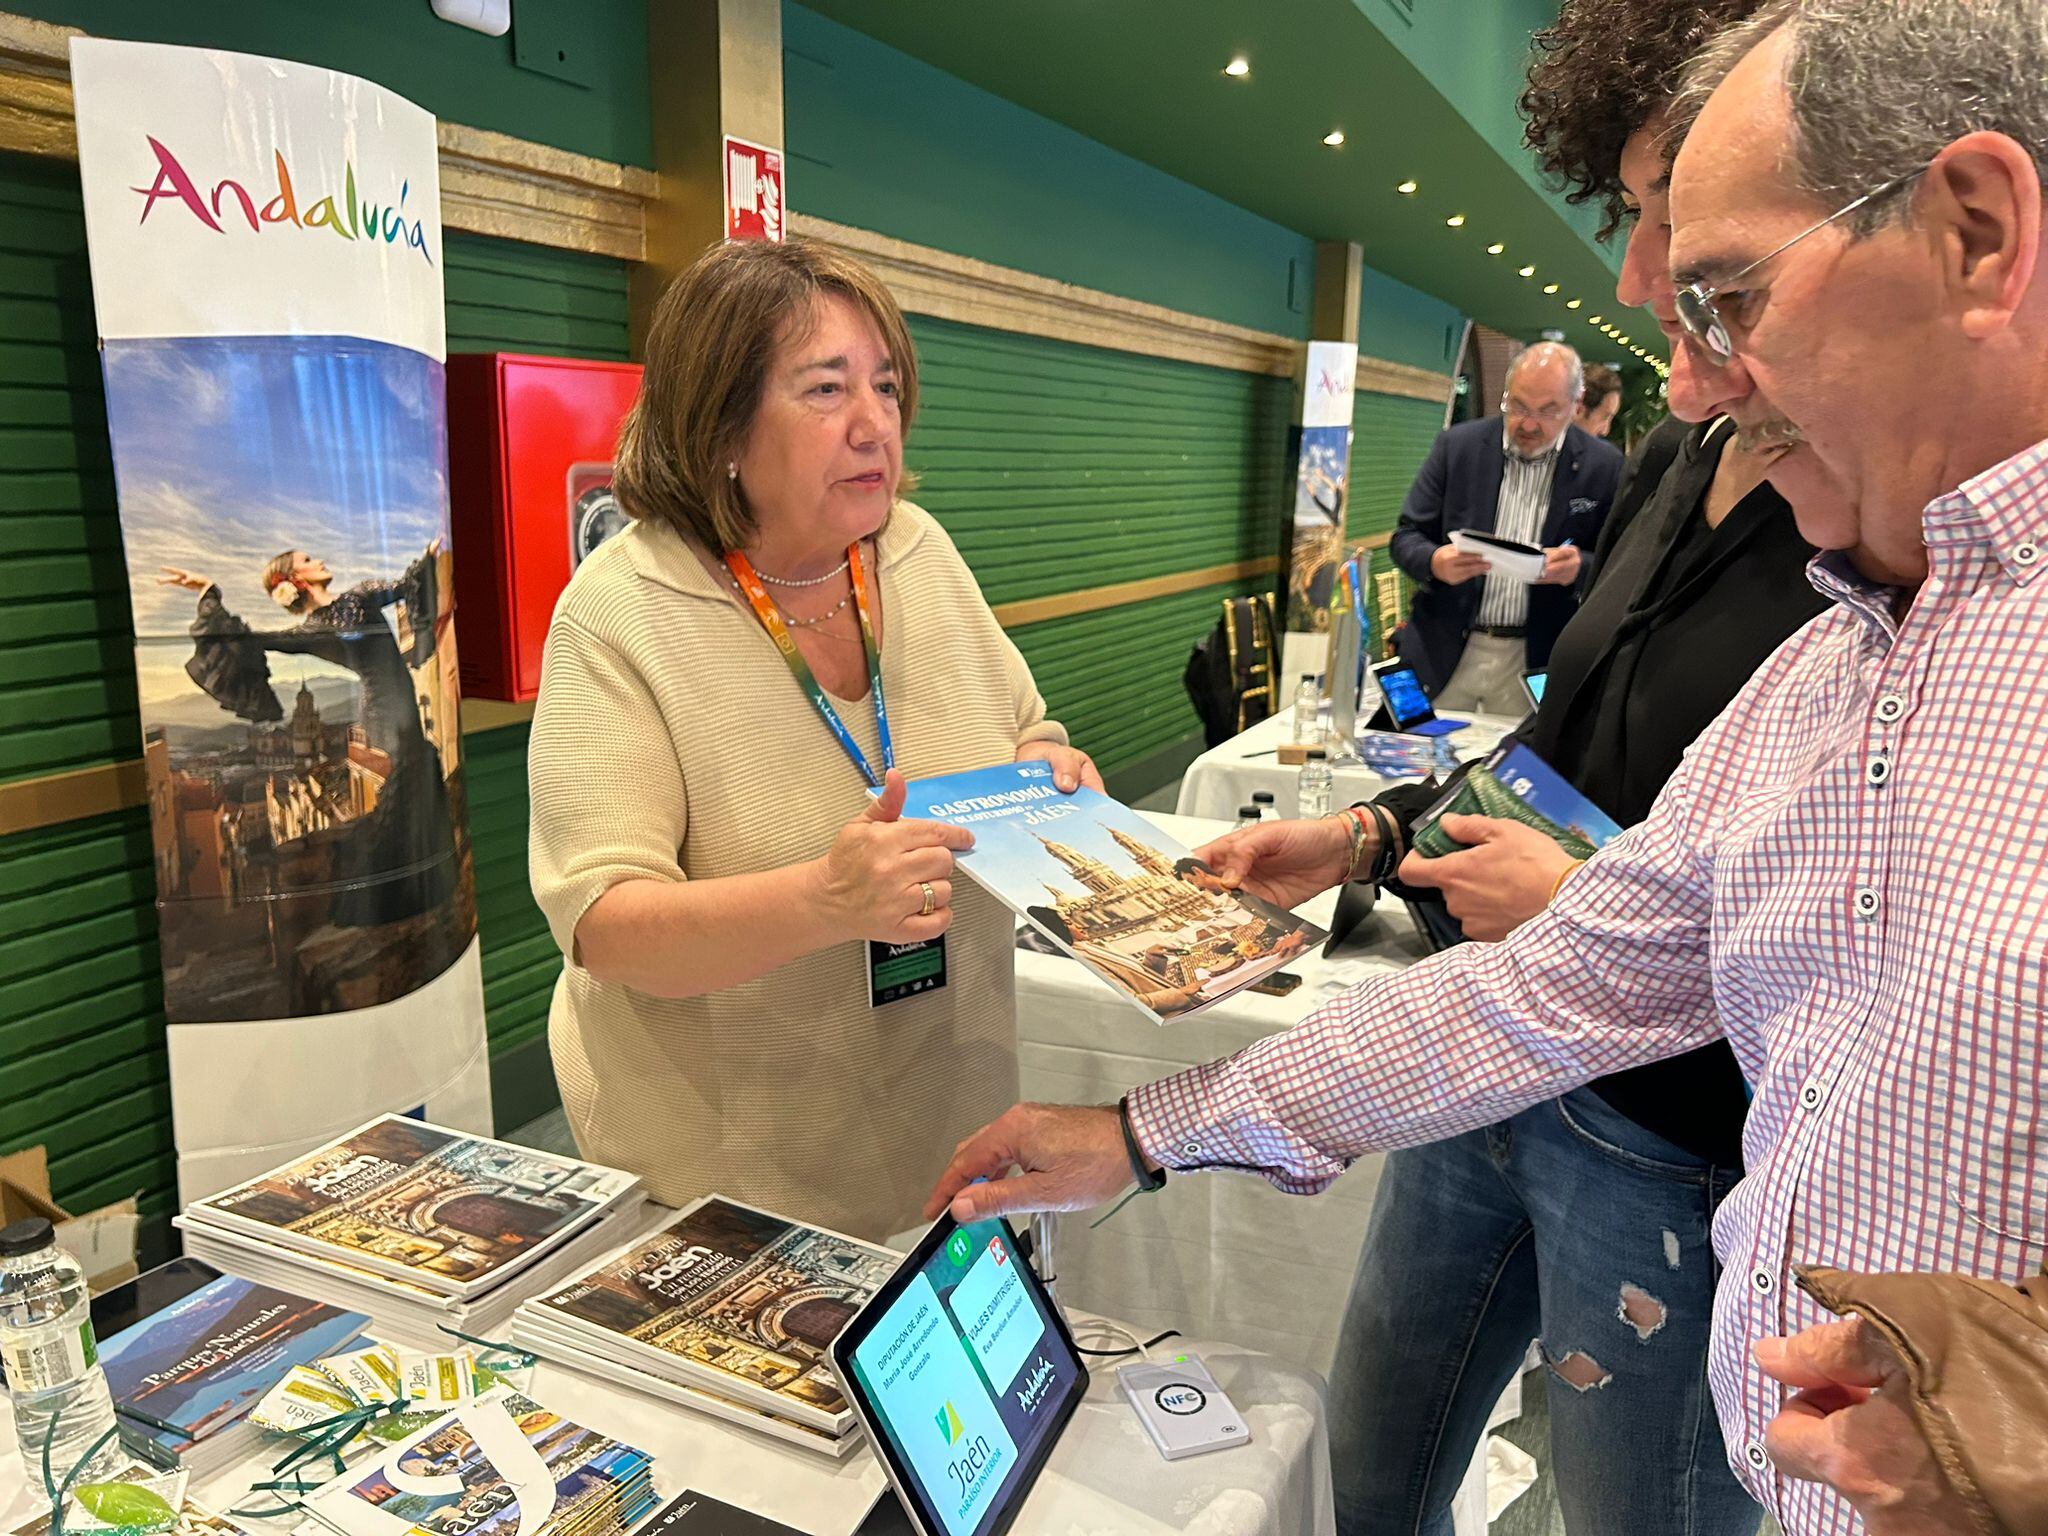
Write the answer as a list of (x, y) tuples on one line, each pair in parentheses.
[(1112, 677), (454, 73), (520, 959), (81, 1015), (81, 1011), (1390, 437), (1056, 466), (887, 142)]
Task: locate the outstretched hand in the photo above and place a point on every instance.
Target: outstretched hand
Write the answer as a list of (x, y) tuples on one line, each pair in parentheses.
[(1284, 862), (173, 577), (1071, 1159)]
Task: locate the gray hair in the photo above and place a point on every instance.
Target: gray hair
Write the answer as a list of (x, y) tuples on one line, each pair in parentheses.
[(1550, 352), (1878, 88)]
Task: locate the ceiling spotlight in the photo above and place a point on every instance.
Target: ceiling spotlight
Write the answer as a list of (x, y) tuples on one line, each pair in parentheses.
[(1238, 67), (1334, 137), (1528, 271), (1495, 249), (1406, 189), (1550, 287), (1571, 303), (1456, 221)]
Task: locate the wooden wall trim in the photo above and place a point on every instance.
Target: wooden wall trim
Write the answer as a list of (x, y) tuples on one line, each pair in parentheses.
[(926, 281), (491, 183), (1036, 610), (26, 804), (1378, 376)]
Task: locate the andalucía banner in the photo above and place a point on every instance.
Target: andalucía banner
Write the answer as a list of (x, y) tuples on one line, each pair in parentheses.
[(265, 241)]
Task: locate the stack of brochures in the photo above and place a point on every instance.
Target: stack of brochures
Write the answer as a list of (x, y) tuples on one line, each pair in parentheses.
[(185, 1377), (479, 1470), (728, 1311), (423, 1228)]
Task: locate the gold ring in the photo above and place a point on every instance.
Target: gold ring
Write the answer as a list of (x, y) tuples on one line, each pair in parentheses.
[(931, 898)]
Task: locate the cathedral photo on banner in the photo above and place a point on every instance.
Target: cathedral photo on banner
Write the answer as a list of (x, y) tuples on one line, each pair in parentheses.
[(298, 691)]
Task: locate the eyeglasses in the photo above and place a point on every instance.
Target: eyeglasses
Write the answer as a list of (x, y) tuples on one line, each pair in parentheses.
[(1700, 316), (1548, 415)]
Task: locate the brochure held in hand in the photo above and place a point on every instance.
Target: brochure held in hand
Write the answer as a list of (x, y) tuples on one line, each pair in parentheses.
[(1110, 889), (1515, 784)]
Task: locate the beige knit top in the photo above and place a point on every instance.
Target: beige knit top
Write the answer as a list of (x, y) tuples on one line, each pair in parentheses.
[(671, 743)]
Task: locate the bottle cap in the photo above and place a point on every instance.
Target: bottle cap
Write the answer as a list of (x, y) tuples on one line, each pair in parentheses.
[(26, 1236), (1308, 677), (1248, 810), (1317, 755), (1262, 797)]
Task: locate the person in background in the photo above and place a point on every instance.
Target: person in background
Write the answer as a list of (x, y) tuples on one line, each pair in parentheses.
[(1528, 475), (717, 788), (1879, 981), (1601, 402)]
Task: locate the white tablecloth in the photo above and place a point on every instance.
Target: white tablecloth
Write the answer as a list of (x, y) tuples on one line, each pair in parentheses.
[(1104, 1475), (1225, 777)]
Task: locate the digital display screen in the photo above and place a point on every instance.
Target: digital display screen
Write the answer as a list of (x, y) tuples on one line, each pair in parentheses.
[(968, 1378), (1406, 702)]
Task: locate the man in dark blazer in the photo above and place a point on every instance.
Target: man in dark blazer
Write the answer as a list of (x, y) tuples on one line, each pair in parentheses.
[(1527, 474)]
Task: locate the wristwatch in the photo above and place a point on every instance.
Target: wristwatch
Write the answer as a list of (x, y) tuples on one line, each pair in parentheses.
[(1148, 1181)]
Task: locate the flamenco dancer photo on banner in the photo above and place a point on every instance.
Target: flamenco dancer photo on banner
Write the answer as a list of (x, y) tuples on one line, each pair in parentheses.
[(299, 705)]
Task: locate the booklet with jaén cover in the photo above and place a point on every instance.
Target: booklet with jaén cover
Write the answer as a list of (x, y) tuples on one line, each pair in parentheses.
[(1111, 889), (1514, 783)]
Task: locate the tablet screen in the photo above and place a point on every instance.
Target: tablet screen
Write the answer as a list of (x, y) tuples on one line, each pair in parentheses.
[(1406, 702), (965, 1373)]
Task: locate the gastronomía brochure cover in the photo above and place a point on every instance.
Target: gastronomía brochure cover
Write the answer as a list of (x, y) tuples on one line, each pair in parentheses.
[(1111, 889)]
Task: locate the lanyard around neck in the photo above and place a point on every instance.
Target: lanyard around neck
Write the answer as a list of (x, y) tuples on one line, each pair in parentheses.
[(771, 620)]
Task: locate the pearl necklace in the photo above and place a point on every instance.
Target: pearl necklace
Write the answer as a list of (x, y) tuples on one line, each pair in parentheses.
[(815, 581), (794, 623)]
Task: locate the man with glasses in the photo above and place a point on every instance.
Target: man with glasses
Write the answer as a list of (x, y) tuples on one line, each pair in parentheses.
[(1530, 475), (1846, 875)]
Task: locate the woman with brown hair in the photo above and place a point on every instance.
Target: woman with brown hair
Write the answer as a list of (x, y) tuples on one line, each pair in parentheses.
[(733, 692)]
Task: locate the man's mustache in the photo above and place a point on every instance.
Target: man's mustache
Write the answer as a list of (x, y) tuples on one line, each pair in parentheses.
[(1764, 436)]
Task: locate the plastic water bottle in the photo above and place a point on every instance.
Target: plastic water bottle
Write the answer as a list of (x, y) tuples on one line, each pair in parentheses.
[(1247, 816), (51, 1356), (1308, 707), (1313, 787), (1262, 802)]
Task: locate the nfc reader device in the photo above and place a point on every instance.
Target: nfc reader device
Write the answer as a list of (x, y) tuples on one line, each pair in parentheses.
[(1182, 1408)]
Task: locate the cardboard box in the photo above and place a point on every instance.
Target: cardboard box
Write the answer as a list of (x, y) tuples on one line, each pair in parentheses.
[(102, 1240)]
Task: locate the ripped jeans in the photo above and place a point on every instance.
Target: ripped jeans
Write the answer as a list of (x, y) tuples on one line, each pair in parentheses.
[(1572, 1225)]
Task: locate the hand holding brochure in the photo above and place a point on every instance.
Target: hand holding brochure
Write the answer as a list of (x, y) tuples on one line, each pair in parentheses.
[(1108, 888), (1524, 562), (1517, 785)]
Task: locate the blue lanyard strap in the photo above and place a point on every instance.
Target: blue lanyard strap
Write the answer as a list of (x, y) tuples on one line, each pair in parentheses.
[(778, 630)]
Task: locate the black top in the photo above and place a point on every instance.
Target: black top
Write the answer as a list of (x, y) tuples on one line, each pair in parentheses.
[(1679, 618)]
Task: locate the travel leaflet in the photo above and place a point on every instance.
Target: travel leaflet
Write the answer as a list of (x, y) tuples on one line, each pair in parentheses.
[(1109, 888), (203, 1362)]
